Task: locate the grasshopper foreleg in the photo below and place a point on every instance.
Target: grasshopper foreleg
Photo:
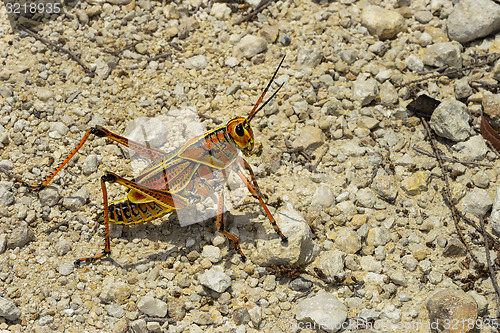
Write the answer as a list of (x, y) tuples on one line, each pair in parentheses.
[(254, 189)]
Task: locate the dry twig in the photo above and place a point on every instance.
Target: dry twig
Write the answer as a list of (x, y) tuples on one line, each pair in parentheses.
[(490, 268), (450, 159), (446, 191), (253, 13), (487, 62), (58, 48)]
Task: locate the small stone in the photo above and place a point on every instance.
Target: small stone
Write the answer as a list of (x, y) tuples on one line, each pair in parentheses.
[(383, 23), (300, 248), (477, 202), (6, 196), (220, 10), (152, 307), (49, 196), (139, 326), (364, 90), (20, 237), (285, 40), (241, 315), (300, 284), (212, 253), (77, 200), (398, 278), (324, 310), (449, 306), (455, 248), (215, 279), (451, 120), (255, 314), (250, 46), (348, 56), (416, 183), (3, 243), (114, 310), (114, 291), (348, 241), (198, 62), (495, 213), (309, 57), (90, 164), (44, 94), (435, 277), (462, 88), (332, 264), (472, 19), (323, 197), (414, 64), (473, 149), (65, 269), (63, 247), (45, 320), (385, 186), (176, 309), (366, 197), (370, 264), (141, 48), (231, 62), (378, 236), (443, 54), (423, 16), (269, 32), (269, 283), (309, 138), (409, 262), (8, 310), (82, 16)]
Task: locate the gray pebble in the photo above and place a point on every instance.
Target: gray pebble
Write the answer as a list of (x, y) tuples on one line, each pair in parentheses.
[(300, 284), (6, 197), (472, 19), (65, 269), (364, 90), (114, 310), (215, 279), (63, 247), (443, 54), (423, 16), (19, 237), (462, 88), (409, 262), (90, 164), (8, 310), (49, 196), (477, 202), (198, 62), (241, 316), (322, 309), (250, 46), (45, 320), (152, 307), (309, 57), (451, 120), (284, 39)]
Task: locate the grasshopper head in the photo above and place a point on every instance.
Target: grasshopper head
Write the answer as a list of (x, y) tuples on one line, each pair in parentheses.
[(240, 131)]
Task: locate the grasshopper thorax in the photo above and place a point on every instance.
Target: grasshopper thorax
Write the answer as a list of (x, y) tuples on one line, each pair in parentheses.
[(240, 131)]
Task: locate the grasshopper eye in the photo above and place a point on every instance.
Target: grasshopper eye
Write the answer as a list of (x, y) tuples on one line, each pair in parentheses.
[(239, 130)]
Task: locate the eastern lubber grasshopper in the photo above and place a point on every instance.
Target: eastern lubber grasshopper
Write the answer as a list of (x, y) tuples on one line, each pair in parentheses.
[(178, 178)]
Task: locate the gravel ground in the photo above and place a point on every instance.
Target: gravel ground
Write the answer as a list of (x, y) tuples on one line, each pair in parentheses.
[(337, 153)]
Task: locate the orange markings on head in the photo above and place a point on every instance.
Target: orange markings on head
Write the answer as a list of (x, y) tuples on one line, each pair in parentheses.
[(240, 131)]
